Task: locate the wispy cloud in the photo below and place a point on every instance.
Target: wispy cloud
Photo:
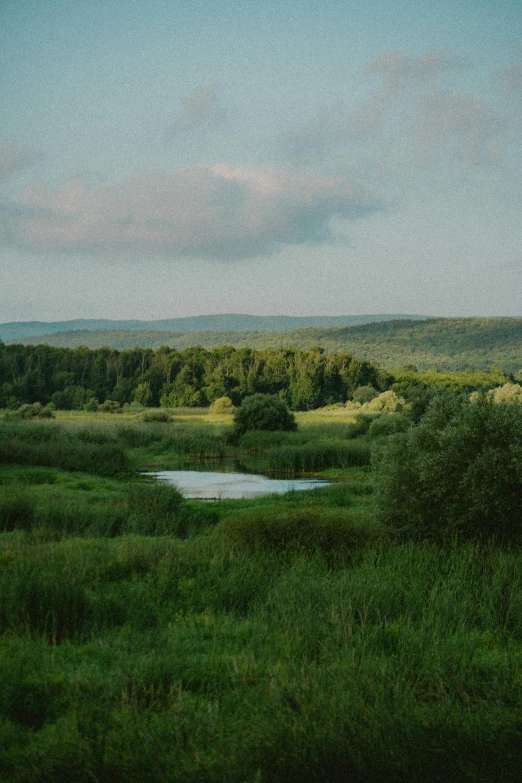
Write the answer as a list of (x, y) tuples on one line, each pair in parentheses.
[(199, 109), (399, 75), (13, 159), (414, 115), (216, 212)]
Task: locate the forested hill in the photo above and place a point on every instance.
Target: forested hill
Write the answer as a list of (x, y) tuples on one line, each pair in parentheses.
[(445, 343), (16, 330)]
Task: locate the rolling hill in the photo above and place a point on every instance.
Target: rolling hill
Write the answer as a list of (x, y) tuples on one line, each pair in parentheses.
[(15, 330), (444, 343)]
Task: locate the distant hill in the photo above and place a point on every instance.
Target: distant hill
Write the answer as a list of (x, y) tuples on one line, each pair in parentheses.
[(445, 343), (15, 330)]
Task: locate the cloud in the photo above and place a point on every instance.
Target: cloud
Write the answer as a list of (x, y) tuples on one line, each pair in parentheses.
[(399, 75), (216, 212), (511, 78), (456, 120), (201, 108), (12, 159)]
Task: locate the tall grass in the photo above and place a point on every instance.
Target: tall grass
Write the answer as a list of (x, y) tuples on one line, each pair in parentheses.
[(190, 663), (317, 456)]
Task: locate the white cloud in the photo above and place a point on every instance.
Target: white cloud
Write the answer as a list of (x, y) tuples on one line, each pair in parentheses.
[(215, 212)]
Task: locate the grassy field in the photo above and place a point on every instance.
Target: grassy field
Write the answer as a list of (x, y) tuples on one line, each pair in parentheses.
[(287, 638)]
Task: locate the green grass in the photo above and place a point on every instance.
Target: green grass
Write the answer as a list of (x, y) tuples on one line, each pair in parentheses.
[(282, 639), (155, 659)]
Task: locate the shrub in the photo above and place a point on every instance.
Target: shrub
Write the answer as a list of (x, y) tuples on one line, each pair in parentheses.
[(109, 406), (365, 394), (387, 401), (92, 405), (263, 412), (34, 411), (223, 406), (389, 424), (458, 472), (306, 529)]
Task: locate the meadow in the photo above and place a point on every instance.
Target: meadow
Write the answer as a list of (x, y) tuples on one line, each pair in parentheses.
[(145, 637)]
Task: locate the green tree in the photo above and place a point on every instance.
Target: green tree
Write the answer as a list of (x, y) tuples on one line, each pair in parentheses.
[(458, 472), (263, 412)]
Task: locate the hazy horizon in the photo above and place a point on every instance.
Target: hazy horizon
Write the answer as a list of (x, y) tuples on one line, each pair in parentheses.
[(167, 160)]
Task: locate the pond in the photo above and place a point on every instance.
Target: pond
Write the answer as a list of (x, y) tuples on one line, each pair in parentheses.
[(215, 486)]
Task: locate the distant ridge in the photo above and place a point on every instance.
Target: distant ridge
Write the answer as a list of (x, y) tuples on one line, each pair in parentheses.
[(444, 343), (14, 330)]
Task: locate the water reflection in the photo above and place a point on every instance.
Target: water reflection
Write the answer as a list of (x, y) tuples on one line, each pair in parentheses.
[(213, 486)]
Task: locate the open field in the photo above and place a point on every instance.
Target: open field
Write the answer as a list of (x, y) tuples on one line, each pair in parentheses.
[(287, 638)]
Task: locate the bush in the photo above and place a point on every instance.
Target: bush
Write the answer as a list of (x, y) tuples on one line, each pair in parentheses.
[(458, 472), (223, 406), (305, 529), (389, 424), (109, 406), (365, 394), (263, 412), (34, 411)]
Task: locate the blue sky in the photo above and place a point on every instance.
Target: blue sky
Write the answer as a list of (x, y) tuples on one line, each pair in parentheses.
[(163, 159)]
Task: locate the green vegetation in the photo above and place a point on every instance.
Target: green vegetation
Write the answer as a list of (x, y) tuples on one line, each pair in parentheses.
[(369, 630), (445, 343), (263, 412), (457, 473)]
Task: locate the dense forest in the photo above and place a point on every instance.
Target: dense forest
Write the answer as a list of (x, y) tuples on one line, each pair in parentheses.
[(444, 343), (81, 378), (72, 379), (14, 330)]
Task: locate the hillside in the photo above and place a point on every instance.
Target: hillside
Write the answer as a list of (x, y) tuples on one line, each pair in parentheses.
[(445, 343), (15, 330)]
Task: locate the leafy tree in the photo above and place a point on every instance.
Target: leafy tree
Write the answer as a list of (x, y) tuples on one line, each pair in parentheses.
[(458, 472), (263, 412), (364, 394)]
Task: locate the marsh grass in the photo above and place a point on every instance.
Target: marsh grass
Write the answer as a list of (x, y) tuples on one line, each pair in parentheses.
[(278, 640), (318, 456), (154, 659)]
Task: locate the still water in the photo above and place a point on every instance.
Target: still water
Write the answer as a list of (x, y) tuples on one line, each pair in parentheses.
[(212, 486)]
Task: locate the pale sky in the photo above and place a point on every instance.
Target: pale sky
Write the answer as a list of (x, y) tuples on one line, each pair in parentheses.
[(166, 158)]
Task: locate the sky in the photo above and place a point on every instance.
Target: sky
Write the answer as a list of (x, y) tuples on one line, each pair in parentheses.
[(162, 159)]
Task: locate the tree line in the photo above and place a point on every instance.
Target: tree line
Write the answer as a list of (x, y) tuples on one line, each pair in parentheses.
[(80, 377)]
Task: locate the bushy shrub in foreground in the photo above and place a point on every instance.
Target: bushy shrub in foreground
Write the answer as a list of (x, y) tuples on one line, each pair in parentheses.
[(307, 529), (458, 472), (263, 412)]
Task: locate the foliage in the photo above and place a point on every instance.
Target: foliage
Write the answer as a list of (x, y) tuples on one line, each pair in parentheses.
[(389, 424), (508, 392), (263, 412), (364, 394), (461, 344), (317, 456), (223, 406), (34, 411), (109, 406), (458, 472), (307, 529), (387, 401)]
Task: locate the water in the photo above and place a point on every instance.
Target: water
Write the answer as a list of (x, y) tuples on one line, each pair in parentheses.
[(212, 486)]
